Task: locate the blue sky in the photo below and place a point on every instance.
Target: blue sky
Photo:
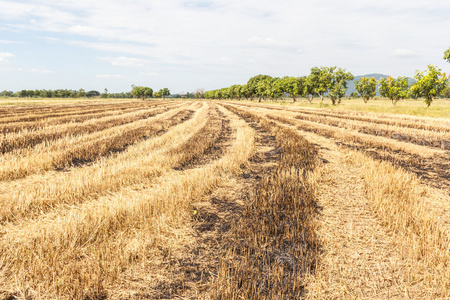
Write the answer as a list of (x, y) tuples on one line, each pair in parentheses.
[(185, 45)]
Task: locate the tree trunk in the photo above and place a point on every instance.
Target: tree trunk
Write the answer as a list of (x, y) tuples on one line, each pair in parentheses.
[(333, 100)]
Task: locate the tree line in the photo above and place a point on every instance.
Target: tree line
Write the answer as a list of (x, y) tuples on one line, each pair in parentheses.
[(333, 82), (136, 92), (63, 93)]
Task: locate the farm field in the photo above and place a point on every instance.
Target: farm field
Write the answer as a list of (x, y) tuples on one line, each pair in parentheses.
[(221, 200), (439, 108)]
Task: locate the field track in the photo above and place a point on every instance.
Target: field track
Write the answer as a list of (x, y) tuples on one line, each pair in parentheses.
[(222, 200)]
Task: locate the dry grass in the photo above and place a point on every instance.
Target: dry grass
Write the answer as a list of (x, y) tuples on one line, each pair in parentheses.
[(429, 163), (431, 138), (98, 203), (398, 198), (29, 138), (140, 163), (368, 140), (70, 120), (439, 109), (87, 247), (77, 150), (273, 245), (64, 111), (408, 223), (425, 123)]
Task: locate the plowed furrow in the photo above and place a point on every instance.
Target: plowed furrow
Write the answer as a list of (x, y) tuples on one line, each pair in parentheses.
[(71, 111), (78, 151), (76, 187), (414, 136), (109, 229), (10, 142), (37, 125)]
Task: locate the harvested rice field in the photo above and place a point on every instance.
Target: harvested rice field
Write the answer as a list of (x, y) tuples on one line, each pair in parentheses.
[(221, 200)]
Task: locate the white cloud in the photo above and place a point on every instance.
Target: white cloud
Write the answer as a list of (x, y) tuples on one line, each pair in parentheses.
[(150, 73), (10, 42), (5, 55), (109, 76), (266, 42), (403, 53), (36, 71), (123, 61)]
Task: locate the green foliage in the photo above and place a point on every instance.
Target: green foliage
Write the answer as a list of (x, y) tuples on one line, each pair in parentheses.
[(105, 93), (320, 80), (447, 54), (244, 92), (81, 93), (6, 93), (141, 92), (254, 88), (354, 95), (64, 93), (278, 88), (308, 88), (429, 84), (163, 93), (293, 86), (446, 92), (93, 93), (331, 80), (394, 89), (366, 87), (339, 82)]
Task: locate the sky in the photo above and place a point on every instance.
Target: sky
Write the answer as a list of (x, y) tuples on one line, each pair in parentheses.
[(185, 45)]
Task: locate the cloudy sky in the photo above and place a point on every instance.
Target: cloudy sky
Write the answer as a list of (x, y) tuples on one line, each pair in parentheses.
[(185, 45)]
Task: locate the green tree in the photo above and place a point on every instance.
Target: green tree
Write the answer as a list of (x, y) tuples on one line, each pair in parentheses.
[(93, 93), (6, 93), (209, 94), (446, 92), (81, 93), (252, 85), (242, 92), (354, 95), (293, 86), (308, 88), (366, 87), (105, 93), (26, 93), (394, 89), (321, 79), (164, 92), (37, 93), (264, 88), (278, 88), (218, 94), (447, 54), (141, 92), (429, 84), (339, 82), (233, 91)]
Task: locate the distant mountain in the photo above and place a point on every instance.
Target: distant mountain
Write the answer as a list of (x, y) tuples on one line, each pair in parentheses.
[(377, 76)]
